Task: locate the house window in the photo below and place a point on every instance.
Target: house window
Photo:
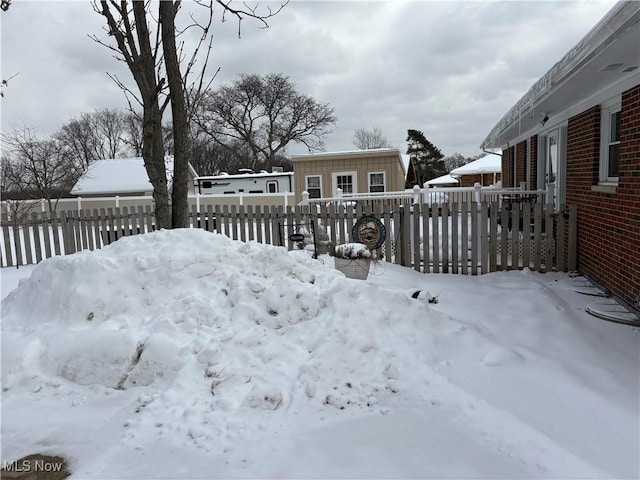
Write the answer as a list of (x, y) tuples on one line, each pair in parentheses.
[(377, 182), (346, 181), (272, 187), (610, 141), (314, 186)]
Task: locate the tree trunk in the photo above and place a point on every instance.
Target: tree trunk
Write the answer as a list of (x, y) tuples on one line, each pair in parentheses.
[(144, 72), (179, 195), (153, 156)]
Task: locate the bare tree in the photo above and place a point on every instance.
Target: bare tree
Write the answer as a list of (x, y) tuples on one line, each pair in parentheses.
[(365, 139), (4, 83), (128, 24), (179, 114), (95, 136), (265, 113), (151, 51), (133, 136), (39, 168)]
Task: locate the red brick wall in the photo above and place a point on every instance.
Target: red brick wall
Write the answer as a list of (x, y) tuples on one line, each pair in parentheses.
[(507, 167), (521, 163), (533, 163), (608, 223), (485, 179)]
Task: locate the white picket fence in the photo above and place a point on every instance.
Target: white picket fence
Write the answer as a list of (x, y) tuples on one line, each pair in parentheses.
[(462, 238)]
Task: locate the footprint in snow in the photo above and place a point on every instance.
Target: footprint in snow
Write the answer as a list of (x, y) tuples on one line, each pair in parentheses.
[(502, 356)]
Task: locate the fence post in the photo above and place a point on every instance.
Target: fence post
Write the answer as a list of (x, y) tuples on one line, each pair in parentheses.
[(416, 194), (117, 201), (198, 202), (477, 189), (68, 240), (550, 193), (79, 200), (573, 237)]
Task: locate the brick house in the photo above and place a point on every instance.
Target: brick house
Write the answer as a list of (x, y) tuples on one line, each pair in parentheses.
[(578, 129), (485, 171)]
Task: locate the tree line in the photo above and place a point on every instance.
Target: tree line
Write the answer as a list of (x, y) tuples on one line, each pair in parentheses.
[(247, 124)]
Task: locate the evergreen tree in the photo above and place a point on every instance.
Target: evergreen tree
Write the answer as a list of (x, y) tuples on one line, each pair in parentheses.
[(426, 158)]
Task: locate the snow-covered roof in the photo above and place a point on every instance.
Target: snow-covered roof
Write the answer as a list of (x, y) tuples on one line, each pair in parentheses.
[(443, 180), (486, 164), (355, 153), (226, 176), (372, 152), (118, 175)]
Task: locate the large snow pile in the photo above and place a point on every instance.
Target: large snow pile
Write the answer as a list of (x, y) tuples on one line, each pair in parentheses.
[(245, 325), (186, 354)]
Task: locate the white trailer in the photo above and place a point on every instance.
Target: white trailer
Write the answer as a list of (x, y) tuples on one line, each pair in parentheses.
[(254, 183)]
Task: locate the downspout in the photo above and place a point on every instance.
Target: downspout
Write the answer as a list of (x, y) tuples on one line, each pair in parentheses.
[(494, 173), (492, 153)]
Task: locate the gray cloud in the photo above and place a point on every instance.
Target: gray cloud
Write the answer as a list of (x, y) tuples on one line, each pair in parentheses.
[(449, 68)]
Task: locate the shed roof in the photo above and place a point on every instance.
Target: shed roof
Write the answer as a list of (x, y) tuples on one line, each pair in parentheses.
[(118, 175)]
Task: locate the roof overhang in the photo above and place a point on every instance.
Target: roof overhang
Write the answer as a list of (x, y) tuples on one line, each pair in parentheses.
[(606, 55), (352, 154)]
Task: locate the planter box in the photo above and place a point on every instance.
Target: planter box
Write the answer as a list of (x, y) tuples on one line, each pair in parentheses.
[(353, 268)]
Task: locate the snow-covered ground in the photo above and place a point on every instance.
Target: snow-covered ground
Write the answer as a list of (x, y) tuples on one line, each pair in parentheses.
[(183, 354)]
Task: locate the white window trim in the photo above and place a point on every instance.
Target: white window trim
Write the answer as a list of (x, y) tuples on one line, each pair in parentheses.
[(334, 180), (384, 180), (560, 191), (612, 106), (306, 183), (272, 182)]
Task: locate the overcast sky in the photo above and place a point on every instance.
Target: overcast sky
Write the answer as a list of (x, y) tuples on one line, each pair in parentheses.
[(451, 69)]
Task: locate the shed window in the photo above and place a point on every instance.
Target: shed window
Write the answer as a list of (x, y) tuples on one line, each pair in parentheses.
[(377, 182), (345, 183), (313, 186)]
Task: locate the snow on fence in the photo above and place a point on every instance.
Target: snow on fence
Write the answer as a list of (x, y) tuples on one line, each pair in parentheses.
[(461, 238)]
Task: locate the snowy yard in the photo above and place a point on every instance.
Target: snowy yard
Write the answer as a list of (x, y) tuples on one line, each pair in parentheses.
[(184, 354)]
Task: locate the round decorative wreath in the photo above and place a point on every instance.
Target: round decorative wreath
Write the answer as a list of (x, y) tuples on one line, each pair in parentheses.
[(369, 231)]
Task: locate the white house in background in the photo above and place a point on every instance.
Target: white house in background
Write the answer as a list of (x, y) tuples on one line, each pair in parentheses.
[(485, 171), (120, 177), (443, 181)]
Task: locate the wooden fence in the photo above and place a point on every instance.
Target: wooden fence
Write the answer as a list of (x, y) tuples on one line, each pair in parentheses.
[(471, 238)]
